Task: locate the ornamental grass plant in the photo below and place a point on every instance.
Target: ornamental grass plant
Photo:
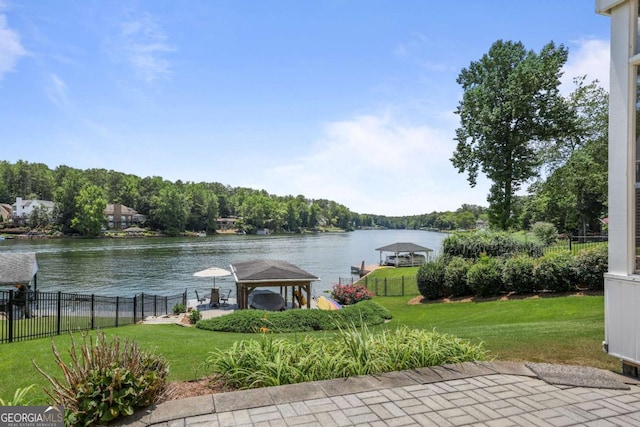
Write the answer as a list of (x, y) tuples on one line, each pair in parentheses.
[(356, 350)]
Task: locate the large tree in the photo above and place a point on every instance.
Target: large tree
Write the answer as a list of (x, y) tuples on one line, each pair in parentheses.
[(511, 107), (90, 206)]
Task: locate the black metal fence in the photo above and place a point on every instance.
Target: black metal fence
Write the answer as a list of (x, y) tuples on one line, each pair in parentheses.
[(575, 244), (44, 314), (388, 286)]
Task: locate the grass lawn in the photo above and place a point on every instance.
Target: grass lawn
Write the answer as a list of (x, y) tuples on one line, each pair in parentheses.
[(565, 330)]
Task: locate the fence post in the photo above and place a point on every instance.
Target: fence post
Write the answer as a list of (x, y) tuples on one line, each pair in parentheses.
[(142, 305), (135, 306), (385, 286), (570, 239), (155, 305), (403, 285), (59, 311), (117, 310), (10, 331), (376, 284), (184, 298), (93, 313)]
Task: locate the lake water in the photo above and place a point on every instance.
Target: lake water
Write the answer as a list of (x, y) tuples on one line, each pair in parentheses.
[(163, 266)]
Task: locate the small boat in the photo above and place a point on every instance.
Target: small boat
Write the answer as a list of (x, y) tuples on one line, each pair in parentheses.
[(201, 234), (263, 299), (405, 260), (327, 303)]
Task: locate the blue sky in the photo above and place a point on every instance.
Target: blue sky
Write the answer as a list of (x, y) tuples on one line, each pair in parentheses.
[(344, 100)]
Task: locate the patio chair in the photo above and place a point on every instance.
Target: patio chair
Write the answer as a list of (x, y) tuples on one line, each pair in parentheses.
[(200, 300), (225, 297)]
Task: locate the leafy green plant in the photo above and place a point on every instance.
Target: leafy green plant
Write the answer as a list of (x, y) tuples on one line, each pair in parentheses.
[(485, 276), (546, 232), (555, 272), (194, 316), (472, 245), (252, 321), (455, 276), (590, 265), (350, 294), (517, 274), (430, 279), (105, 380), (179, 308), (19, 397)]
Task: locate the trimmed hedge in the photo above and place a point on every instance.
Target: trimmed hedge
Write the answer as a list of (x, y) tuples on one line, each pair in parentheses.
[(517, 274), (455, 277), (522, 273), (554, 272), (430, 279), (589, 267), (473, 245), (252, 321), (485, 277)]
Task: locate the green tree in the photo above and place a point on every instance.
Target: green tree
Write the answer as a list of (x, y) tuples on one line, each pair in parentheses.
[(71, 182), (90, 206), (510, 107), (170, 209)]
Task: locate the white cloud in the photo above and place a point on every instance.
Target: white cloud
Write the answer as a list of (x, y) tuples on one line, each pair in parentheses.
[(143, 43), (375, 164), (589, 57), (10, 47), (56, 90)]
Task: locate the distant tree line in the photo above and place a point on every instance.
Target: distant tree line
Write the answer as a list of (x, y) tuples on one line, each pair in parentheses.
[(173, 207)]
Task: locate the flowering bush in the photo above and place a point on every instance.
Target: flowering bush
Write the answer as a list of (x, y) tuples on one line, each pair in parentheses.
[(350, 294)]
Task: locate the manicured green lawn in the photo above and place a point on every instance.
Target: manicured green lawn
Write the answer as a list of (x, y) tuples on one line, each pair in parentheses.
[(566, 330)]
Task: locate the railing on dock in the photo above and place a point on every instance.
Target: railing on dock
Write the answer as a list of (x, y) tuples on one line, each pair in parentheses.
[(46, 314)]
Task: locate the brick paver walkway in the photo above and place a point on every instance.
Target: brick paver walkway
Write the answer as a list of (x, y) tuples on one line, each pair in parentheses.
[(480, 394)]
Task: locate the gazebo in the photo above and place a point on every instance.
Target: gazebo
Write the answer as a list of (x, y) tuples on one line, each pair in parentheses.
[(404, 254), (18, 268), (250, 275)]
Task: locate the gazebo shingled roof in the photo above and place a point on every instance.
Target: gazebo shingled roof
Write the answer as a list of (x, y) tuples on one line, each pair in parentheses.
[(17, 268)]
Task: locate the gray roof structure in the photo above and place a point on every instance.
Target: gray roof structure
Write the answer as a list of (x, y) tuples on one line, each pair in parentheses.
[(17, 268), (404, 247), (259, 271)]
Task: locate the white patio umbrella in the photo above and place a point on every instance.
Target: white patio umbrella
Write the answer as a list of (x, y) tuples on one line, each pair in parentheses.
[(212, 272)]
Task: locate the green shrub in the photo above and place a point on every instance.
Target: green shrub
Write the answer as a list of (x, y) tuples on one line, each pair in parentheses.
[(546, 232), (430, 279), (455, 276), (517, 274), (485, 276), (350, 294), (194, 316), (179, 308), (472, 245), (299, 320), (106, 380), (590, 266), (270, 361), (554, 272)]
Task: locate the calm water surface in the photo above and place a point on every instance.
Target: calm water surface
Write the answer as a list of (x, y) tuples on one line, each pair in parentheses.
[(164, 266)]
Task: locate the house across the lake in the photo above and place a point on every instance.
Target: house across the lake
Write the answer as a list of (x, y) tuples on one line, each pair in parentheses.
[(120, 216)]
